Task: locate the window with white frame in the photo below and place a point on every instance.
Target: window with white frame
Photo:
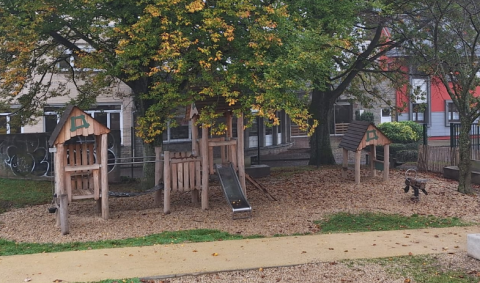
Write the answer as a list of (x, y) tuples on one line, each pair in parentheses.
[(419, 106), (10, 124), (181, 132), (451, 113)]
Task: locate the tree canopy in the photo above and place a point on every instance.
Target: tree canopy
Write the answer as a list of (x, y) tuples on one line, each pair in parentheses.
[(170, 53), (344, 44), (447, 49)]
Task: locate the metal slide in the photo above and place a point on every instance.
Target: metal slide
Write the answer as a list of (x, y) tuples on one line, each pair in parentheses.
[(233, 190)]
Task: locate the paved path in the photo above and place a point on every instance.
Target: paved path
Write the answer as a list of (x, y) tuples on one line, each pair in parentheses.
[(173, 260)]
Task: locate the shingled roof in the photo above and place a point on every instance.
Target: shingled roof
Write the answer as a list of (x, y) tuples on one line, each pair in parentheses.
[(358, 136)]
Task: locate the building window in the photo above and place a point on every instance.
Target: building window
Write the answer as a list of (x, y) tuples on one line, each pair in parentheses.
[(296, 131), (451, 113), (181, 132), (386, 112), (10, 124), (420, 97), (70, 57), (253, 134)]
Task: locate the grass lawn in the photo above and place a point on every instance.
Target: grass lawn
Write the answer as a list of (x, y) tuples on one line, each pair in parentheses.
[(21, 193)]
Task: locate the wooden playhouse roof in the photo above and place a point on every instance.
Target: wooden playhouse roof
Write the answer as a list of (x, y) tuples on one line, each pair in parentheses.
[(75, 122), (361, 134)]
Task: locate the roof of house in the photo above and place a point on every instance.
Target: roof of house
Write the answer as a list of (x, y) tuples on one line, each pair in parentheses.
[(75, 122), (361, 134)]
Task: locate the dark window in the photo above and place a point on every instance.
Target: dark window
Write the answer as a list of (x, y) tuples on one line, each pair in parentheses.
[(50, 123), (3, 124), (451, 113), (181, 131), (419, 112), (386, 112), (114, 121)]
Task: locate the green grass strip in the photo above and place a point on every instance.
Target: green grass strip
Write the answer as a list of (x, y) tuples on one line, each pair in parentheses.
[(364, 222), (193, 236), (420, 268), (22, 192)]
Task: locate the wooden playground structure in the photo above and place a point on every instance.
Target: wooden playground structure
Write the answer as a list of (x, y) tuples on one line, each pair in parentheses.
[(189, 171), (362, 134), (81, 169)]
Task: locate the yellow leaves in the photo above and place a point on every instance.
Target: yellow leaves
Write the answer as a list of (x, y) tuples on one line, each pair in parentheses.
[(204, 64), (243, 14), (195, 6), (153, 10), (270, 10), (218, 55)]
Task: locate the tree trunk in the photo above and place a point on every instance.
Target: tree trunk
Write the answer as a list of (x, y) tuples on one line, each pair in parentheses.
[(464, 166), (321, 108), (139, 88), (148, 176)]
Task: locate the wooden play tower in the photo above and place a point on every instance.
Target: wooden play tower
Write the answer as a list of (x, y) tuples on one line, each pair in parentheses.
[(362, 134), (80, 168), (189, 171)]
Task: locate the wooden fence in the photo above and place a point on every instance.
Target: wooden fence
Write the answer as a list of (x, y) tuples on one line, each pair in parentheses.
[(434, 158)]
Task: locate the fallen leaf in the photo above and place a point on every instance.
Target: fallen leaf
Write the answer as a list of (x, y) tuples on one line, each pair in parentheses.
[(410, 253), (214, 254), (260, 269), (195, 251), (304, 252)]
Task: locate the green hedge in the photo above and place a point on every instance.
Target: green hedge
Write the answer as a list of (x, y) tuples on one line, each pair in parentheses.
[(407, 155), (402, 132)]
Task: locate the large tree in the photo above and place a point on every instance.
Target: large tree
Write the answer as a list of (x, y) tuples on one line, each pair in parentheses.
[(353, 39), (447, 49), (169, 52)]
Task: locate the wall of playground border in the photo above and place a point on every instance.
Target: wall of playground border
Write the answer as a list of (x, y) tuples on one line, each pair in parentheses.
[(27, 156)]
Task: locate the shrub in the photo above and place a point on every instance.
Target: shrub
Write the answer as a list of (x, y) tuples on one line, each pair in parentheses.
[(402, 132), (407, 155), (365, 116)]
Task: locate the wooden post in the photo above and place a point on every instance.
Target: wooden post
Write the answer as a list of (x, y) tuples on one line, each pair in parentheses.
[(373, 157), (357, 165), (60, 176), (241, 154), (194, 136), (345, 163), (104, 175), (64, 214), (205, 171), (158, 174), (210, 158), (166, 182), (386, 162), (229, 122)]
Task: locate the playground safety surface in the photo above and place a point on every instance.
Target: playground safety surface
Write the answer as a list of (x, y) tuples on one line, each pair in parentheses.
[(164, 261)]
